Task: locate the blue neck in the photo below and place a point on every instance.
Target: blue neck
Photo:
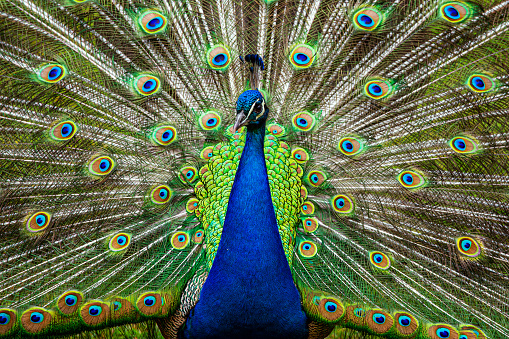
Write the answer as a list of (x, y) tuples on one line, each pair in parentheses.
[(249, 291)]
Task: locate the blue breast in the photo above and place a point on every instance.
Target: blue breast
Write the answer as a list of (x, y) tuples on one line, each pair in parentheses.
[(249, 292)]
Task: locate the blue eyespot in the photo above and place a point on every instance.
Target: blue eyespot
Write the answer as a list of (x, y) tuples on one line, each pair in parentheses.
[(408, 179), (340, 203), (195, 204), (66, 130), (155, 23), (220, 59), (302, 122), (452, 12), (40, 220), (211, 122), (104, 165), (36, 317), (466, 244), (301, 58), (331, 307), (404, 321), (478, 83), (163, 193), (149, 85), (298, 156), (306, 247), (117, 305), (189, 174), (149, 301), (314, 178), (305, 207), (210, 155), (54, 73), (181, 238), (460, 144), (347, 146), (463, 336), (379, 318), (71, 300), (365, 21), (94, 311), (121, 240), (375, 89), (4, 318), (378, 258), (443, 332)]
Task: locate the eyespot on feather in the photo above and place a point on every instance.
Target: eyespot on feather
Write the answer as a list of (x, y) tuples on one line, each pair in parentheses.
[(192, 205), (64, 130), (468, 246), (95, 313), (331, 309), (350, 146), (342, 204), (36, 320), (277, 130), (307, 249), (188, 174), (152, 22), (377, 89), (180, 240), (463, 145), (356, 315), (310, 224), (379, 321), (210, 121), (411, 179), (303, 121), (442, 331), (69, 302), (207, 153), (454, 11), (480, 83), (198, 236), (316, 178), (164, 135), (38, 222), (119, 242), (406, 324), (300, 155), (149, 304), (101, 166), (8, 321), (52, 73), (161, 195), (302, 56), (367, 19), (380, 260), (146, 84), (307, 208), (468, 335), (218, 57), (478, 332)]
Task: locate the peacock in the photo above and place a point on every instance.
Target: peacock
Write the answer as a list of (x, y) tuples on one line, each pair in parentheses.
[(255, 168)]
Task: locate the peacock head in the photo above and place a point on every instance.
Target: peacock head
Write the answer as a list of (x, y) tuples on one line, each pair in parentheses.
[(251, 109)]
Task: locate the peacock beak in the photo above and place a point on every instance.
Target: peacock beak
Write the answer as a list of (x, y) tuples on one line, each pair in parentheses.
[(241, 120)]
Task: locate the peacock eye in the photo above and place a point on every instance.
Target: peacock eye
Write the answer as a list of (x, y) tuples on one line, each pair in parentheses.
[(454, 12), (147, 84), (180, 240), (95, 310), (160, 195), (69, 302), (101, 166), (303, 121), (404, 321), (219, 57), (463, 145), (411, 179), (443, 332), (192, 205), (149, 301), (468, 247), (377, 89), (36, 317), (480, 83), (51, 73), (198, 236), (350, 146), (367, 19), (307, 249), (188, 174), (302, 56), (379, 318), (342, 204), (38, 222), (316, 178), (210, 121), (119, 242), (4, 318), (64, 130), (310, 224), (380, 260), (152, 22), (117, 305), (164, 135)]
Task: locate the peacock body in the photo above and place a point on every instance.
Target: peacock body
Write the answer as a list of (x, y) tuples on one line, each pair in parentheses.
[(155, 167)]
